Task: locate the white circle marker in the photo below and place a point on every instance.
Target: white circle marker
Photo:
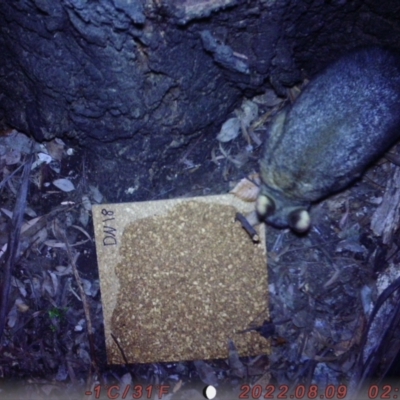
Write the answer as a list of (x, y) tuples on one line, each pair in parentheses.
[(210, 392)]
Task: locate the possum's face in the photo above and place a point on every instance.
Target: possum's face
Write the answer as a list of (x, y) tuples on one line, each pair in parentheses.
[(281, 200), (277, 211)]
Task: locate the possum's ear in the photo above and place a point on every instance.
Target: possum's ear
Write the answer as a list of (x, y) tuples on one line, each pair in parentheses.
[(264, 206), (299, 220)]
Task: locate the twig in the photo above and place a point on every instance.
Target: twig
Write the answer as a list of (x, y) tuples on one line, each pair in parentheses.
[(247, 227), (72, 258), (120, 349), (365, 369), (13, 241), (4, 181)]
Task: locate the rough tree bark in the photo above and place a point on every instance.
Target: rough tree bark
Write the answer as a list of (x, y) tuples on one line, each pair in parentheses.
[(163, 73)]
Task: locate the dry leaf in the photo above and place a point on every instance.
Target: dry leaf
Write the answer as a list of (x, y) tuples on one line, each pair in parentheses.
[(268, 99), (83, 217), (237, 367), (61, 270), (18, 284), (41, 158), (18, 141), (79, 326), (30, 212), (95, 194), (64, 184), (239, 160), (13, 157), (56, 148), (39, 238), (87, 205), (248, 188), (81, 230), (206, 373), (229, 130), (55, 243), (21, 306), (29, 224), (6, 212), (50, 284), (3, 250), (248, 112), (12, 317)]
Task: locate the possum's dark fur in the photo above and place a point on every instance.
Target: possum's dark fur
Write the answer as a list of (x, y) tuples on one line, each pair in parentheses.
[(344, 120)]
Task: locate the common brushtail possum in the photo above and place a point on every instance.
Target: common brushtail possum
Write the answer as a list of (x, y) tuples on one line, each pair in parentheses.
[(344, 120)]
